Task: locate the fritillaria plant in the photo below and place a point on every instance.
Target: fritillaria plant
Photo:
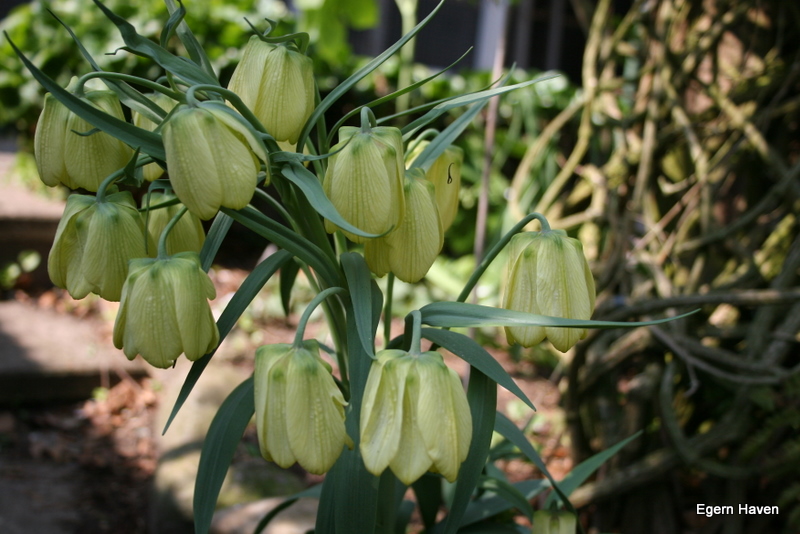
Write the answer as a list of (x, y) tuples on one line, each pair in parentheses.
[(394, 416)]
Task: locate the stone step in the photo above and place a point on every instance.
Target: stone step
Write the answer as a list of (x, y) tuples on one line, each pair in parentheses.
[(50, 357), (28, 222)]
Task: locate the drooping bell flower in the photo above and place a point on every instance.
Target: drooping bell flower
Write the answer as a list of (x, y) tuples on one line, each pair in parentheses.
[(165, 311), (153, 171), (65, 155), (277, 83), (548, 275), (94, 242), (414, 417), (212, 158), (187, 234), (410, 250), (445, 174), (547, 522), (364, 181), (299, 408)]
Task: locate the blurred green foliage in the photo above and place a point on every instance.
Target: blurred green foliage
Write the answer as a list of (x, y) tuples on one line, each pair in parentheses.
[(222, 27), (39, 35)]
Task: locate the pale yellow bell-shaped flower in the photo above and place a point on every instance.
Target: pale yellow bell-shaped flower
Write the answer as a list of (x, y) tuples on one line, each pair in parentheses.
[(165, 311), (547, 522), (78, 161), (548, 275), (299, 409), (212, 158), (153, 171), (277, 84), (93, 244), (186, 236), (414, 417), (445, 174), (410, 250), (364, 180)]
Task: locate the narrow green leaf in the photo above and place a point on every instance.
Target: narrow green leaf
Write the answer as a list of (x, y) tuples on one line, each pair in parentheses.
[(392, 96), (326, 513), (404, 513), (377, 306), (505, 427), (494, 528), (312, 492), (585, 469), (444, 107), (482, 397), (288, 276), (149, 142), (309, 184), (360, 74), (127, 94), (355, 490), (390, 497), (288, 239), (358, 281), (439, 144), (238, 303), (506, 491), (216, 235), (175, 18), (219, 447), (486, 507), (428, 490), (193, 46), (462, 314), (180, 67), (475, 355)]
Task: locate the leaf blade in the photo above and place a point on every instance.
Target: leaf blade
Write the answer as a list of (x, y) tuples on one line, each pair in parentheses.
[(311, 188), (475, 355), (219, 446), (462, 314)]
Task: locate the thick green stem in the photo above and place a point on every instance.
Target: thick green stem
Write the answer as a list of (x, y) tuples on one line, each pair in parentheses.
[(492, 254), (415, 324), (231, 97), (105, 184), (157, 87), (321, 296), (368, 120), (387, 310), (408, 17), (162, 240)]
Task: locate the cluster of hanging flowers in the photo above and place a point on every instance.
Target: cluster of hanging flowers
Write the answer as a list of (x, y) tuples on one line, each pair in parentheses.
[(415, 417), (408, 209)]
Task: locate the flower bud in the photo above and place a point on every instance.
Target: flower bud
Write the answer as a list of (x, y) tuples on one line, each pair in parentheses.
[(64, 156), (153, 171), (547, 522), (93, 244), (364, 181), (414, 417), (212, 158), (165, 312), (277, 84), (445, 174), (187, 234), (548, 275), (410, 250), (299, 408)]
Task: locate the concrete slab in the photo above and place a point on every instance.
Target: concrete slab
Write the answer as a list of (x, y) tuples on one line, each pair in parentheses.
[(38, 496), (28, 222), (45, 356)]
